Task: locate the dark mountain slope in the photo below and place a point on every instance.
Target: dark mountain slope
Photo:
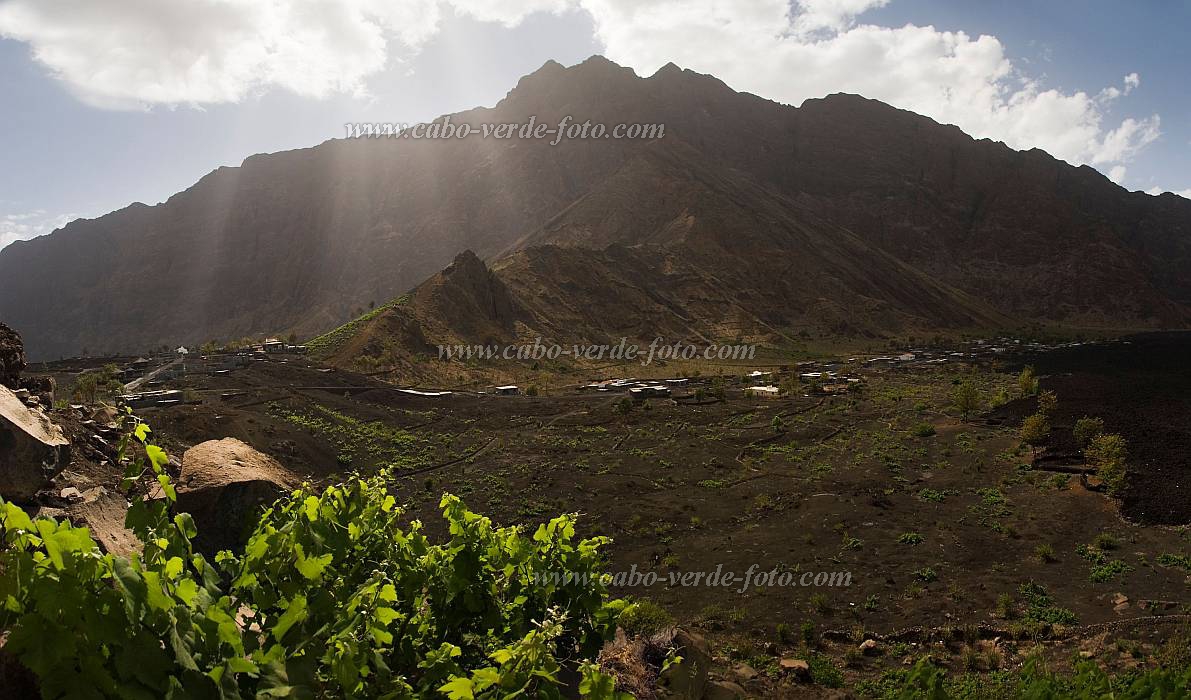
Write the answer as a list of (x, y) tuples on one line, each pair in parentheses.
[(299, 240)]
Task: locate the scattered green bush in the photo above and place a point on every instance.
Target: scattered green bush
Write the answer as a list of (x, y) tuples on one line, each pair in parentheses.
[(1087, 428), (645, 618), (923, 429), (1035, 430), (1107, 453), (966, 397), (1027, 382)]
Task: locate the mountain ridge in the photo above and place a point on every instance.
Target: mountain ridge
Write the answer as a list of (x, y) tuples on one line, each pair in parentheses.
[(302, 240)]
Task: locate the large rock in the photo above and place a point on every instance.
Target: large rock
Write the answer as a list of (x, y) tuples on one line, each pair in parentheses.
[(223, 485), (12, 357), (32, 449), (687, 680)]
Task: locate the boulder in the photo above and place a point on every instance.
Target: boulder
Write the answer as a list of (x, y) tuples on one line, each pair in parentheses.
[(798, 669), (223, 485), (687, 680), (33, 449), (12, 357), (724, 690), (103, 511)]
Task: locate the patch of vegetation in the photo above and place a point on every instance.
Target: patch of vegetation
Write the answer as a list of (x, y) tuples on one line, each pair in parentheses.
[(965, 396), (357, 440), (910, 538), (824, 672), (327, 343), (1041, 609), (1087, 681), (98, 385), (644, 618), (923, 430), (337, 596), (1087, 428), (932, 495), (1045, 553), (1035, 430), (1102, 573), (1107, 453), (1027, 382), (1175, 561)]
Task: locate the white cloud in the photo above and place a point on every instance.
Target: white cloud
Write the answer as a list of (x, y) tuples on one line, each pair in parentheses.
[(145, 52), (950, 76), (141, 52), (1117, 173), (25, 225)]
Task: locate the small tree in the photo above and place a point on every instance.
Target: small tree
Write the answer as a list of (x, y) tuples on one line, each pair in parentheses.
[(777, 425), (1035, 430), (1087, 428), (1048, 401), (1107, 453), (1027, 381), (624, 406), (98, 385), (966, 397)]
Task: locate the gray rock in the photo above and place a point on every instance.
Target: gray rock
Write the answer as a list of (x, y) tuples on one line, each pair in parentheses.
[(33, 449), (724, 690)]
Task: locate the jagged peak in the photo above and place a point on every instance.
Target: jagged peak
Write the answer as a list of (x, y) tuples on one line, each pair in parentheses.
[(466, 262), (670, 68)]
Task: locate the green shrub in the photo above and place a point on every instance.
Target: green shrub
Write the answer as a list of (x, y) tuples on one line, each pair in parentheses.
[(1027, 382), (924, 429), (1035, 430), (966, 397), (1087, 428), (644, 618), (1048, 401), (1107, 453), (1045, 553), (338, 599)]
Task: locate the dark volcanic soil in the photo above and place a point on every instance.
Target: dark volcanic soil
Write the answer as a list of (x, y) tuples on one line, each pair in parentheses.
[(1142, 389)]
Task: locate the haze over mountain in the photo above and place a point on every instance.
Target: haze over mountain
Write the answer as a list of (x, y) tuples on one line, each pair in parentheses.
[(748, 218)]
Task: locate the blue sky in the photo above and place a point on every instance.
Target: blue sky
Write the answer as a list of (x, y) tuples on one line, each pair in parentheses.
[(173, 90)]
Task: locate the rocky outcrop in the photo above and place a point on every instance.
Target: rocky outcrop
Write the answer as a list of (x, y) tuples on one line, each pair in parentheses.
[(223, 485), (687, 680), (33, 448), (12, 357)]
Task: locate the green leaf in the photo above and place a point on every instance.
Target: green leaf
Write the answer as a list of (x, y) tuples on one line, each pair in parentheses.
[(173, 567), (313, 567), (295, 612), (458, 689), (15, 519)]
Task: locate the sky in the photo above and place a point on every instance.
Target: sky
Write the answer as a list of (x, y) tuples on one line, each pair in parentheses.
[(106, 104)]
